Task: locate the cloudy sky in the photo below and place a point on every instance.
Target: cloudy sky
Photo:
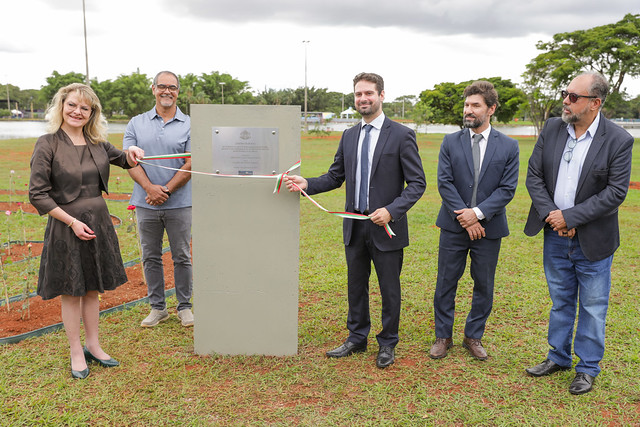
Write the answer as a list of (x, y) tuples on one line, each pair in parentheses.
[(413, 44)]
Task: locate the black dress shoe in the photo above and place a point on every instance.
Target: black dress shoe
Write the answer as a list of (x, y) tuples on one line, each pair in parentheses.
[(347, 349), (546, 368), (107, 363), (582, 383), (386, 356)]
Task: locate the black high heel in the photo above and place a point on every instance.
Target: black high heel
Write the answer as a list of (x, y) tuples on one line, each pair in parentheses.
[(79, 375), (107, 363)]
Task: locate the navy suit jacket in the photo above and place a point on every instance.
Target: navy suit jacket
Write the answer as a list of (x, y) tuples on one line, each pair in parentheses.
[(395, 162), (496, 185), (602, 186)]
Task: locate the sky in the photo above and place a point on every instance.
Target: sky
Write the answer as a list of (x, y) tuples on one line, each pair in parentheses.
[(413, 44)]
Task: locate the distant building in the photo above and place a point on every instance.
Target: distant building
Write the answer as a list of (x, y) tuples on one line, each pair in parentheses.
[(348, 113)]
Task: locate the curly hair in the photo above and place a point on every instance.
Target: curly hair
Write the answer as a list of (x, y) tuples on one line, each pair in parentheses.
[(95, 130)]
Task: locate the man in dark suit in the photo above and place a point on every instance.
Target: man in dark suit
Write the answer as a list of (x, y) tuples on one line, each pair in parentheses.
[(477, 178), (578, 176), (375, 186)]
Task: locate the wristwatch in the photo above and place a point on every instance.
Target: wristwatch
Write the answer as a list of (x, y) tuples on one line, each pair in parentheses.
[(166, 190)]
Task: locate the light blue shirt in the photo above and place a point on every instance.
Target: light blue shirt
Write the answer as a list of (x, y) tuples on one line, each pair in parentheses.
[(149, 132), (374, 134), (569, 172)]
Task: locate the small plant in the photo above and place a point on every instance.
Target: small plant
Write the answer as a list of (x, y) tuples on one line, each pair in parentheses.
[(11, 182), (4, 285), (29, 273), (22, 223), (133, 227), (8, 214)]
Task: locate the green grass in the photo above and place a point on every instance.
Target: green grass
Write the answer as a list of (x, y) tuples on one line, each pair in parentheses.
[(162, 382)]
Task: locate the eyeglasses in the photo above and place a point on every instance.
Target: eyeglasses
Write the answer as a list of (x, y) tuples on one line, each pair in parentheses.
[(172, 88), (568, 155), (573, 97)]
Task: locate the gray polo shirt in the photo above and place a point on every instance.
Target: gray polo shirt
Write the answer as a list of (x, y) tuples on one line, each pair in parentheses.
[(149, 132)]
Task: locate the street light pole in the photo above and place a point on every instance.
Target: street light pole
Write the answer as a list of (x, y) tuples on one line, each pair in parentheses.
[(86, 51), (306, 125), (222, 86)]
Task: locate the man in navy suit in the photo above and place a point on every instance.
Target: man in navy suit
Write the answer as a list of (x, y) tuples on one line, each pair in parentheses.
[(375, 186), (578, 176), (477, 178)]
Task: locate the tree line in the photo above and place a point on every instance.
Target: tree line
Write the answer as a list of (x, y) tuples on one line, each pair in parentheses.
[(611, 49)]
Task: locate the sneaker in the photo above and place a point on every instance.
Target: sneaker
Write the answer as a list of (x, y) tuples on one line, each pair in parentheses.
[(186, 317), (155, 317)]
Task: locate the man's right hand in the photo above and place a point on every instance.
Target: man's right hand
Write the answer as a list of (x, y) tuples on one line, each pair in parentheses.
[(155, 195), (300, 183)]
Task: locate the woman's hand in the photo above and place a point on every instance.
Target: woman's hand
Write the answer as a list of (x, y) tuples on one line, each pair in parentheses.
[(82, 230), (134, 154)]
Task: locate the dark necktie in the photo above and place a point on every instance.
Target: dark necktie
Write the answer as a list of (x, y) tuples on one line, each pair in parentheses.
[(364, 171), (475, 151)]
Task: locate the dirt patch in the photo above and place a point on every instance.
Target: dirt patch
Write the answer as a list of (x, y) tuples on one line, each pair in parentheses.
[(634, 185), (45, 313)]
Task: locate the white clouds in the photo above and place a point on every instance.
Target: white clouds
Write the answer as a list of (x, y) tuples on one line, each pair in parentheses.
[(412, 44)]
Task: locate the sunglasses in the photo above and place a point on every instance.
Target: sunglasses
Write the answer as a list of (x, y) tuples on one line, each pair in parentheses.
[(573, 97), (162, 88)]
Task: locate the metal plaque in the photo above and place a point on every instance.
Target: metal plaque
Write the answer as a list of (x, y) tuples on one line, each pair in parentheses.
[(245, 151)]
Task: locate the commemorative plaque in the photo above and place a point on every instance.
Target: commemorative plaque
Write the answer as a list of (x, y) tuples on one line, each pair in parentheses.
[(245, 151)]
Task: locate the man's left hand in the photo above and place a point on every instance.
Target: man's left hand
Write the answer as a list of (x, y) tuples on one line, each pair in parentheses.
[(380, 217), (556, 220), (466, 217)]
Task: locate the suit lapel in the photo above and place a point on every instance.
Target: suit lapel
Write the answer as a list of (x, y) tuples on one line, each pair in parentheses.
[(351, 154), (465, 144), (561, 141), (385, 131), (594, 149), (488, 153)]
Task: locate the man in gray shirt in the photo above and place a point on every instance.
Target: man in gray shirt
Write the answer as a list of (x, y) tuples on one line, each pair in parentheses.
[(163, 197)]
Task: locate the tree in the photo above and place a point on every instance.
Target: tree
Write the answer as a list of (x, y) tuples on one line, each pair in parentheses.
[(127, 95), (56, 81), (611, 50), (235, 91), (445, 102)]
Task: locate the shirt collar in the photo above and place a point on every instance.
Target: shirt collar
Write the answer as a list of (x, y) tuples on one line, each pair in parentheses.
[(180, 116), (376, 123), (591, 131), (485, 133)]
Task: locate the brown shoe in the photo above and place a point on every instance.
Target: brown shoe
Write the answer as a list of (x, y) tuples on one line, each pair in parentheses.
[(475, 348), (440, 347)]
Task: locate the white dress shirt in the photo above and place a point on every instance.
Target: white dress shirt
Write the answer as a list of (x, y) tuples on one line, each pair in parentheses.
[(483, 149), (374, 134), (569, 172)]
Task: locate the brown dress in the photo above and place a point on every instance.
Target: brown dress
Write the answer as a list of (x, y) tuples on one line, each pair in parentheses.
[(70, 266)]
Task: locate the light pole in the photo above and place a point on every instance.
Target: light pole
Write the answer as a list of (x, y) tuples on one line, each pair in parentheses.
[(306, 126), (86, 51), (222, 87)]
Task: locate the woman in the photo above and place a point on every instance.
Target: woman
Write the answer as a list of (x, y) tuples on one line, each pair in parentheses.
[(81, 255)]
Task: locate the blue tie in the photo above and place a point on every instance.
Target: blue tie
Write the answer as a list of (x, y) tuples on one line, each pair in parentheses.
[(364, 171)]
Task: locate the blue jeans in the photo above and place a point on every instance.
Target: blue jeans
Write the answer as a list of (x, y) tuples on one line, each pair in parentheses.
[(151, 224), (574, 280)]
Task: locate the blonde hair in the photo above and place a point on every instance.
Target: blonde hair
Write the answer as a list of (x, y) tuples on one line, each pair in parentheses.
[(96, 128)]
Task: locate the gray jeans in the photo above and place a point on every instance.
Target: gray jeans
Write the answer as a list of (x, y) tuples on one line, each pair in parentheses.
[(151, 225)]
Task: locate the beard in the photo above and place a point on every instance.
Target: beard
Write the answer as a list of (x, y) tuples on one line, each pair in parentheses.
[(364, 111), (570, 118), (472, 122)]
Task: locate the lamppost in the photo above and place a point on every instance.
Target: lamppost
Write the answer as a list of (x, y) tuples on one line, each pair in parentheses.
[(222, 87), (86, 51), (306, 126)]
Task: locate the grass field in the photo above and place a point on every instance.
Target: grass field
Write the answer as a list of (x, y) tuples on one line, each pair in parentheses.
[(161, 381)]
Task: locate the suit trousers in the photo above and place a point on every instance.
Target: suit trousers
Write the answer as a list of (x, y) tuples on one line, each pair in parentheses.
[(452, 259), (360, 253)]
